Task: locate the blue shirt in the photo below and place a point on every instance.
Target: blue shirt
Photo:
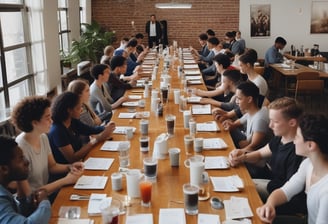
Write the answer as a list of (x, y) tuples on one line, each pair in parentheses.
[(60, 136), (9, 214), (272, 55)]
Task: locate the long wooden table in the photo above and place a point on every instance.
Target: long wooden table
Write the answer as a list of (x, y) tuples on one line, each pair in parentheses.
[(167, 191), (305, 58), (289, 74)]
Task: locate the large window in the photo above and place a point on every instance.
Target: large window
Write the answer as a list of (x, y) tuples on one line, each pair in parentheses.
[(16, 78), (64, 31)]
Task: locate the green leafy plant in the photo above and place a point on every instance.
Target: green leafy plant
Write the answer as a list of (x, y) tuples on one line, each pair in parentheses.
[(92, 42)]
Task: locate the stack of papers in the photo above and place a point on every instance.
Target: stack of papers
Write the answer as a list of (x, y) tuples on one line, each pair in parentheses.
[(207, 126), (122, 129), (127, 115), (208, 219), (94, 203), (139, 219), (194, 99), (192, 72), (227, 184), (188, 78), (134, 97), (131, 103), (112, 145), (237, 208), (201, 109), (216, 162), (190, 66), (189, 61), (141, 114), (98, 163), (91, 182), (214, 143), (172, 216)]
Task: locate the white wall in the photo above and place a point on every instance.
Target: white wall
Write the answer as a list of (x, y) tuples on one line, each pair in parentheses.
[(290, 19)]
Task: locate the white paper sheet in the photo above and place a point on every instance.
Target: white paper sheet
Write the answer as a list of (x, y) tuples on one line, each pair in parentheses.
[(194, 99), (74, 221), (139, 219), (216, 162), (237, 208), (91, 182), (122, 129), (190, 66), (207, 126), (94, 203), (127, 115), (201, 109), (98, 163), (111, 145), (172, 216), (135, 97), (208, 219), (189, 60), (194, 82), (214, 143), (130, 104), (192, 72), (227, 184), (193, 78)]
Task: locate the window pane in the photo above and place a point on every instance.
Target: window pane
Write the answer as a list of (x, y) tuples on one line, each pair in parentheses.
[(65, 43), (63, 20), (1, 81), (3, 111), (12, 1), (12, 28), (16, 64), (62, 3), (18, 92)]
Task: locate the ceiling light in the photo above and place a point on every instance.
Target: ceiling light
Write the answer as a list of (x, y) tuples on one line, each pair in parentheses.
[(173, 5)]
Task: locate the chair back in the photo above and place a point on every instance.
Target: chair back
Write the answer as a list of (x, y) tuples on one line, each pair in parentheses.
[(309, 83)]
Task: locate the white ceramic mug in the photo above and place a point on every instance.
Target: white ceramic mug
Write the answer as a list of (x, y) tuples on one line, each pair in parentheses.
[(133, 177)]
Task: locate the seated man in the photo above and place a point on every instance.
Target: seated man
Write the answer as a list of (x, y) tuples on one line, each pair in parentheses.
[(312, 176), (116, 84), (276, 162), (272, 55), (14, 167), (230, 79), (204, 51), (255, 121)]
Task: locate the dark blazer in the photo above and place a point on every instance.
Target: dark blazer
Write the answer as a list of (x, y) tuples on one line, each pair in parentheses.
[(158, 29)]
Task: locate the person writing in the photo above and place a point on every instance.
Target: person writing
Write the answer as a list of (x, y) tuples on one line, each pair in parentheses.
[(311, 141), (154, 31), (14, 167)]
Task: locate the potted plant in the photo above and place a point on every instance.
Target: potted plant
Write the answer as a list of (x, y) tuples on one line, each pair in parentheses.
[(92, 42)]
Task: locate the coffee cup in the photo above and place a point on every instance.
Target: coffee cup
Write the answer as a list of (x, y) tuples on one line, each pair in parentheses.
[(150, 168), (198, 144), (170, 123), (174, 154), (190, 193)]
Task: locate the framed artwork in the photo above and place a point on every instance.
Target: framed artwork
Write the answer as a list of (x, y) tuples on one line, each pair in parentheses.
[(319, 17), (260, 19)]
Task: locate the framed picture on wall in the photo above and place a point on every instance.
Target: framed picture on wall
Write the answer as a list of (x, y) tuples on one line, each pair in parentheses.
[(319, 17), (260, 19)]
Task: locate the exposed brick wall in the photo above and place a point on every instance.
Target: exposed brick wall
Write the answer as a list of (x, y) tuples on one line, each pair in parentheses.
[(184, 25)]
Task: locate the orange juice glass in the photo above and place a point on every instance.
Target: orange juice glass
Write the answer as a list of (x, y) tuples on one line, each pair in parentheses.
[(145, 191)]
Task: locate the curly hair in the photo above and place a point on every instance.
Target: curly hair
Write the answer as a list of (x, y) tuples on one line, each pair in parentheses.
[(63, 102), (314, 127), (29, 109)]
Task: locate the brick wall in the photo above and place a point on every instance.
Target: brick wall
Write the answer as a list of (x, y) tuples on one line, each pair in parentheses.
[(184, 25)]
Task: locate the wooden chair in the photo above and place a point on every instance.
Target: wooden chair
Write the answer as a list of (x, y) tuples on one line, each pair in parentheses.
[(259, 70), (309, 84)]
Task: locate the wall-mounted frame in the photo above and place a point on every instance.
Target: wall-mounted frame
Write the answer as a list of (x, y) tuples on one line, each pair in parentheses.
[(260, 19), (319, 17)]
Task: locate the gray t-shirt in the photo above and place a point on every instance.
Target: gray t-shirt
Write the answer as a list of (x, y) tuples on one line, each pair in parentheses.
[(38, 168), (258, 122)]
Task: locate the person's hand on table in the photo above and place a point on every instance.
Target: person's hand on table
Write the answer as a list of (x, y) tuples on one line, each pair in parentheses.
[(236, 157), (228, 124), (266, 213)]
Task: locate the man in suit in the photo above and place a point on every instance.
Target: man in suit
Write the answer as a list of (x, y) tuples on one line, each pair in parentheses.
[(154, 31)]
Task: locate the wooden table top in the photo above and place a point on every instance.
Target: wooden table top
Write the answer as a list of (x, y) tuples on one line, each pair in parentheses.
[(298, 68), (167, 191), (305, 58)]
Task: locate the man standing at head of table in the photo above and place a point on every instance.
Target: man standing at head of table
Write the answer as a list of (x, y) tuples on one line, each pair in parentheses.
[(154, 31)]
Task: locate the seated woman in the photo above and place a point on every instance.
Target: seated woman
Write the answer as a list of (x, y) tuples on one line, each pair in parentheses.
[(108, 54), (33, 117), (64, 135), (100, 99), (81, 88), (312, 176)]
